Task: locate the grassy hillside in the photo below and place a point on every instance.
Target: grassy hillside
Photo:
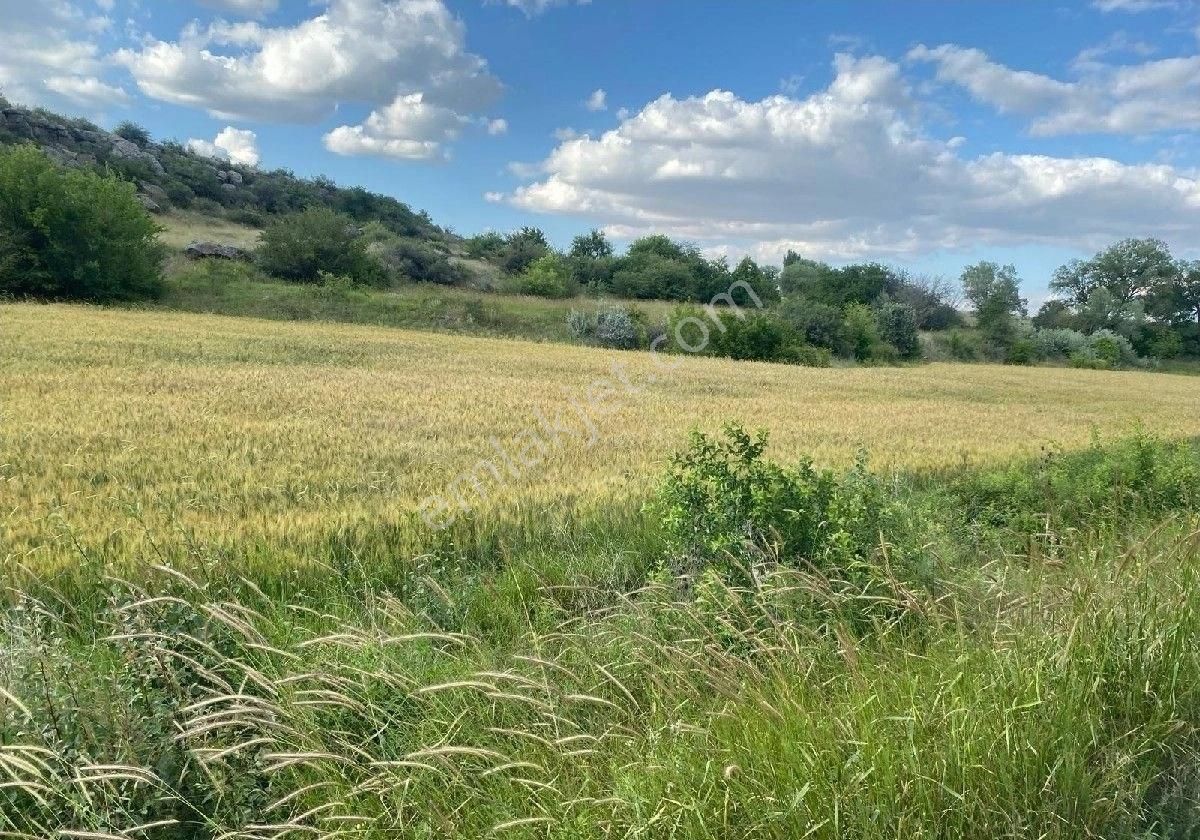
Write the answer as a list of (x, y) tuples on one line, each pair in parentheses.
[(273, 439)]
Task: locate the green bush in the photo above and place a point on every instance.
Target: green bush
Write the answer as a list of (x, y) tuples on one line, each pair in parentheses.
[(302, 246), (898, 327), (72, 234), (723, 503), (547, 276), (1023, 351)]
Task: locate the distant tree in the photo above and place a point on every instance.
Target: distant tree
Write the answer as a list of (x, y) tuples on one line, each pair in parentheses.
[(934, 301), (591, 261), (1129, 270), (762, 280), (898, 327), (522, 248), (1054, 315), (818, 324), (593, 245), (547, 276), (72, 234), (1177, 299), (133, 132), (801, 276), (485, 246), (994, 292), (302, 246)]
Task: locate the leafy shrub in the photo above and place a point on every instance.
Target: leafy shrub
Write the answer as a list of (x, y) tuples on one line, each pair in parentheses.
[(898, 327), (1058, 343), (302, 246), (73, 234), (417, 260), (818, 323), (617, 328), (1142, 476), (133, 132), (1112, 348), (963, 346), (722, 501), (547, 276), (860, 329), (1023, 351)]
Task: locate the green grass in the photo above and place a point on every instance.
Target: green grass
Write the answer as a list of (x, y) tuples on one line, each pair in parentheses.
[(213, 287), (1035, 684), (182, 227)]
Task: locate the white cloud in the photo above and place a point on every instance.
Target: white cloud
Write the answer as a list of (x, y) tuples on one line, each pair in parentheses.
[(368, 52), (48, 53), (409, 128), (844, 173), (87, 90), (497, 127), (536, 7), (1133, 6), (248, 8), (1161, 95), (598, 101), (232, 144)]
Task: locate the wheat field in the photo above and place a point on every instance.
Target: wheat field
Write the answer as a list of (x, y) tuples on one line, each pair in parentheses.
[(126, 432)]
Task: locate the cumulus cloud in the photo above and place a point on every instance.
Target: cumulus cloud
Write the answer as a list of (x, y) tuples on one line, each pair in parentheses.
[(844, 173), (247, 8), (406, 59), (48, 52), (598, 101), (536, 7), (87, 90), (497, 127), (1161, 95), (1133, 6), (232, 144)]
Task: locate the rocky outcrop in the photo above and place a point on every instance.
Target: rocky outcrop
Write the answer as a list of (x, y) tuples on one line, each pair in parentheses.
[(214, 250)]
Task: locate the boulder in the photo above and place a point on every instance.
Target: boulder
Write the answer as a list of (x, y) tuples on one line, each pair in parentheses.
[(214, 250), (234, 177), (149, 203)]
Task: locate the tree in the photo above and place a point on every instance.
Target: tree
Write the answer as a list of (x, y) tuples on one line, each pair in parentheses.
[(994, 292), (593, 245), (133, 132), (522, 248), (898, 327), (934, 301), (1129, 270), (1054, 315), (547, 276), (1177, 299), (304, 245), (591, 260), (761, 280), (73, 234)]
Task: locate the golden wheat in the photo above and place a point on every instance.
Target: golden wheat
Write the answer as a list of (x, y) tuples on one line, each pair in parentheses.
[(133, 434)]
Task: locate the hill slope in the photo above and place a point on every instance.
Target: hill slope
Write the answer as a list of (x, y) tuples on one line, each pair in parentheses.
[(169, 176)]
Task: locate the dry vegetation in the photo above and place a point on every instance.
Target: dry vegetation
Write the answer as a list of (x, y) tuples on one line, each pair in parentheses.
[(181, 227), (122, 427)]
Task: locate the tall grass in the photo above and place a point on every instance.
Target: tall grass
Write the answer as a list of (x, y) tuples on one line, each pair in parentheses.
[(1037, 684)]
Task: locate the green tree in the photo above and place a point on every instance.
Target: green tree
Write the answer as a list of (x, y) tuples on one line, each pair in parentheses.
[(522, 248), (994, 292), (1177, 299), (1129, 270), (898, 327), (133, 132), (318, 240), (593, 245), (73, 234), (547, 276)]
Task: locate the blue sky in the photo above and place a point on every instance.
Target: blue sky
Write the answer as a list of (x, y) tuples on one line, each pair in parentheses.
[(926, 134)]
